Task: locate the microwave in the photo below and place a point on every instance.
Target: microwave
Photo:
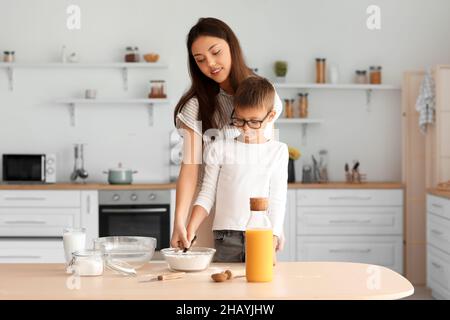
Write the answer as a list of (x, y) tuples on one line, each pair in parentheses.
[(39, 168)]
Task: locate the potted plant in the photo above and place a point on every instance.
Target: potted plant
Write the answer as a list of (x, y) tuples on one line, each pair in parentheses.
[(281, 70), (294, 154)]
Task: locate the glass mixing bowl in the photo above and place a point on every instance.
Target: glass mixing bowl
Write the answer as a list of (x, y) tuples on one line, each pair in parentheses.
[(136, 251), (196, 259)]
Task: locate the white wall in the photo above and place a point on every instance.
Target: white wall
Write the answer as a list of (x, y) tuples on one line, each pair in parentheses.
[(414, 34)]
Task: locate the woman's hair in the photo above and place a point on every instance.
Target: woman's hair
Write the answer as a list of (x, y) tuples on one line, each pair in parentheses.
[(254, 92), (202, 87)]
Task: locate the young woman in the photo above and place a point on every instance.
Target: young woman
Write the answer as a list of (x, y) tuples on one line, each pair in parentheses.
[(216, 67)]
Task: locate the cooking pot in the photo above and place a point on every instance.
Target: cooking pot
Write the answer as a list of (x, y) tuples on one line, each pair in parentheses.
[(120, 175)]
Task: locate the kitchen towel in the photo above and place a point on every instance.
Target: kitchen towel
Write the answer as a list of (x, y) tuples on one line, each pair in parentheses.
[(425, 103)]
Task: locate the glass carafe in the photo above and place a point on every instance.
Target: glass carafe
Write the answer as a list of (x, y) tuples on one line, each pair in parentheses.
[(259, 243)]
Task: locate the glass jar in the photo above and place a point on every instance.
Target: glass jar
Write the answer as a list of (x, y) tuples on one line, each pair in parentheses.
[(87, 263), (375, 74), (361, 76), (8, 56), (320, 70), (129, 55), (303, 105), (288, 108), (137, 55), (259, 251), (157, 89)]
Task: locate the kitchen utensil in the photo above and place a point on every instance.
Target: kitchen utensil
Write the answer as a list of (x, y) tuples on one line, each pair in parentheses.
[(135, 251), (192, 243), (307, 174), (161, 277), (316, 173), (120, 266), (120, 175), (82, 173), (74, 174), (196, 259)]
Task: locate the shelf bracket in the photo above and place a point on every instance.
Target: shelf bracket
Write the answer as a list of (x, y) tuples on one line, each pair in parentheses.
[(368, 98), (150, 114), (72, 114), (125, 78), (10, 72)]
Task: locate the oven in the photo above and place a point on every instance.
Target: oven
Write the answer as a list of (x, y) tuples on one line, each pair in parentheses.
[(144, 213)]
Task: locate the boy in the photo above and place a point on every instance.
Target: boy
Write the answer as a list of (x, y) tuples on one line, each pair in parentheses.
[(238, 169)]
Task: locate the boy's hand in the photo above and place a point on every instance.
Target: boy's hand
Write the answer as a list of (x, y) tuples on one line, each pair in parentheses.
[(179, 237), (275, 246), (190, 237)]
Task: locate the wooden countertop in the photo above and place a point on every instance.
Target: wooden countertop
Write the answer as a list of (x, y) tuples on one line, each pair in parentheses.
[(345, 185), (172, 185), (292, 280), (89, 186), (439, 192)]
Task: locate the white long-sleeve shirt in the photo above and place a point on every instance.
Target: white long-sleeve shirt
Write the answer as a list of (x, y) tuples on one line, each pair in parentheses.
[(235, 172)]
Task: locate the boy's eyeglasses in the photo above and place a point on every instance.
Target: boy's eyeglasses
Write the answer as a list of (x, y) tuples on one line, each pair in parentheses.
[(253, 124)]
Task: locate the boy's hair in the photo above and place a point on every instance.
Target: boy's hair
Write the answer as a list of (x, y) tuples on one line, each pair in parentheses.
[(254, 92)]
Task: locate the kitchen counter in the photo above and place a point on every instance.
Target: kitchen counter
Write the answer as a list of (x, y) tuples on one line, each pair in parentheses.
[(172, 185), (292, 280), (345, 185), (89, 186), (439, 193)]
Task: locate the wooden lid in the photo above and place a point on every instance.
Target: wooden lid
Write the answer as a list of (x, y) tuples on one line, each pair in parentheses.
[(259, 204)]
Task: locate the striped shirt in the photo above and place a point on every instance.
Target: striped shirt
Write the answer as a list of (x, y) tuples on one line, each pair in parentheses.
[(189, 115)]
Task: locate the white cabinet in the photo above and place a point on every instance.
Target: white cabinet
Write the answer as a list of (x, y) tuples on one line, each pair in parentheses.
[(354, 225), (438, 246), (32, 222), (385, 251), (31, 251), (89, 214), (288, 253)]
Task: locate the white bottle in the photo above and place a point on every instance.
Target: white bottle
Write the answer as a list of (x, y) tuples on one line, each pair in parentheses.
[(334, 74), (63, 54)]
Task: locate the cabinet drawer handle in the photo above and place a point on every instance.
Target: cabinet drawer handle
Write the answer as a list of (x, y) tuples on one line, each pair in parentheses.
[(436, 265), (436, 232), (88, 204), (25, 198), (20, 257), (350, 250), (351, 221), (436, 205), (350, 198), (25, 222)]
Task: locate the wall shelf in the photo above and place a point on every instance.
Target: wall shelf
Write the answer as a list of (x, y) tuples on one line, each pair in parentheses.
[(304, 122), (74, 102), (348, 86), (344, 86), (123, 66)]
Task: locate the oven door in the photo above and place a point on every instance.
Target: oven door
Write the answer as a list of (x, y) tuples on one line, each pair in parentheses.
[(136, 220), (24, 167)]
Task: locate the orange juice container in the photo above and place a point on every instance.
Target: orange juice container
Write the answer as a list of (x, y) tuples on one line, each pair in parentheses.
[(259, 243)]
